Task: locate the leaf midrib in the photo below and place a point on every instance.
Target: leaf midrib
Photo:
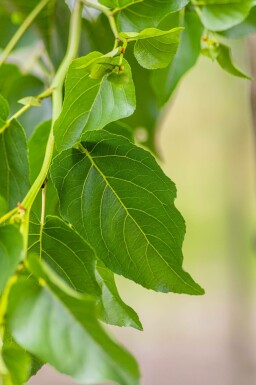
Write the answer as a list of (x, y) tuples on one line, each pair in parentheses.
[(88, 155)]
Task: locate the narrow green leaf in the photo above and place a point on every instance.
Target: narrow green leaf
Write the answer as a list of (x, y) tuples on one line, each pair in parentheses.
[(118, 198), (225, 61), (11, 252), (147, 14), (111, 308), (63, 331), (14, 169), (69, 256), (91, 103), (165, 81), (219, 15), (154, 48), (31, 100)]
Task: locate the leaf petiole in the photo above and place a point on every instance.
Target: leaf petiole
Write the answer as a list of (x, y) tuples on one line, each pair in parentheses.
[(31, 102)]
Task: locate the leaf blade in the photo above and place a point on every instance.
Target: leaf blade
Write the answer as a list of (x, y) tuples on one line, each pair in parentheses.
[(91, 103), (48, 322), (149, 209)]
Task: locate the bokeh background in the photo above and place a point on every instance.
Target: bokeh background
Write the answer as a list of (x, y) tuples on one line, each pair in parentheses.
[(206, 143)]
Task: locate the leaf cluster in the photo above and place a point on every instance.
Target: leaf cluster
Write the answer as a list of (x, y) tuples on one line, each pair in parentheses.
[(82, 197)]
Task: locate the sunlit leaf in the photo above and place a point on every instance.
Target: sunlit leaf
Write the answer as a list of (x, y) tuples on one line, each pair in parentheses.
[(63, 330), (91, 103)]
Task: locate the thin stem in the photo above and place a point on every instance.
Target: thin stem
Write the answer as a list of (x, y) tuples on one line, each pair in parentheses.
[(22, 29), (108, 13), (42, 215), (15, 116), (39, 98), (57, 84)]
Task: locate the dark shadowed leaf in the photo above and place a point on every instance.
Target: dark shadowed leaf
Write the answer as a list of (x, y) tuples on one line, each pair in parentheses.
[(165, 81), (118, 198)]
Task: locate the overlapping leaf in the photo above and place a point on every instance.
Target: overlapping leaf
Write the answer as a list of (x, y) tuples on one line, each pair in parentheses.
[(111, 308), (147, 14), (165, 81), (247, 27), (14, 170), (222, 54), (154, 48), (126, 210), (69, 256), (61, 328), (93, 99), (17, 362), (219, 15)]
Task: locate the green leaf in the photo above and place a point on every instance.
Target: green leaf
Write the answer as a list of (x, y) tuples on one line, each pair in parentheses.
[(14, 169), (225, 61), (111, 308), (147, 14), (3, 206), (118, 198), (247, 27), (219, 15), (4, 110), (120, 128), (154, 48), (31, 100), (92, 103), (74, 261), (144, 119), (69, 256), (11, 252), (18, 363), (63, 331), (165, 81)]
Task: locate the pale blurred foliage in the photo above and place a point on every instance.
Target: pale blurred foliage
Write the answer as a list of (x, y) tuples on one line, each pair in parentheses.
[(207, 148)]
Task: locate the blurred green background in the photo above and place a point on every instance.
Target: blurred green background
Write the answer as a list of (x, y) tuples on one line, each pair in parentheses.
[(207, 145)]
